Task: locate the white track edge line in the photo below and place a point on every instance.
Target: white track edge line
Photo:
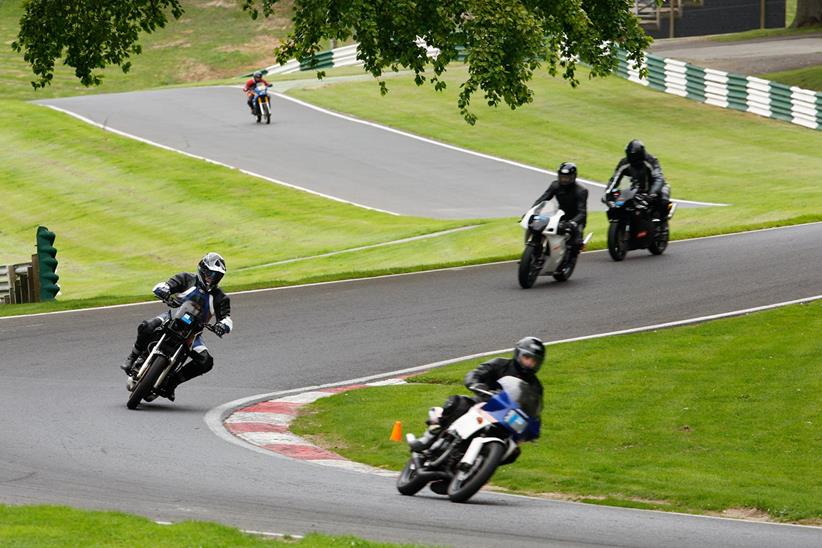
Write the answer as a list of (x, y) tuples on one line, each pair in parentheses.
[(247, 531), (362, 248), (400, 274), (210, 161), (215, 416), (457, 148)]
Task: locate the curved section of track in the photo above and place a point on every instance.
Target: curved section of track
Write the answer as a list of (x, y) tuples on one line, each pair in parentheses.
[(330, 154), (68, 438)]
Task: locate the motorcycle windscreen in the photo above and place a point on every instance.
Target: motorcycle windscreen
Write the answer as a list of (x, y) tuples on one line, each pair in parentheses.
[(198, 305), (523, 394), (547, 208)]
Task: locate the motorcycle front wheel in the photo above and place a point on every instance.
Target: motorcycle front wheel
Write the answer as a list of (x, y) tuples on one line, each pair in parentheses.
[(528, 272), (146, 383), (267, 112), (467, 482), (660, 242), (617, 247), (409, 482), (567, 268), (259, 111)]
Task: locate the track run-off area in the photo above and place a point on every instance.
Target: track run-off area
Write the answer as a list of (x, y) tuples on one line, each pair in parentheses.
[(67, 437)]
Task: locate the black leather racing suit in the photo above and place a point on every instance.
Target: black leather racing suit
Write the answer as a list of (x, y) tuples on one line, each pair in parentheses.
[(573, 200), (487, 373), (648, 179), (219, 306)]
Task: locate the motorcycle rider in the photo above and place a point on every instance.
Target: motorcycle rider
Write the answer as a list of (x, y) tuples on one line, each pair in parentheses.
[(205, 282), (250, 85), (646, 177), (573, 200), (529, 353)]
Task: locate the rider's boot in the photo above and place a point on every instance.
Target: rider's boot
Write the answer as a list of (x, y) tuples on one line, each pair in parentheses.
[(171, 384), (426, 440), (128, 364)]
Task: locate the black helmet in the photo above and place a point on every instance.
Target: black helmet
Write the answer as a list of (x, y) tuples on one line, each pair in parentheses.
[(567, 173), (257, 75), (635, 152), (210, 271), (529, 346)]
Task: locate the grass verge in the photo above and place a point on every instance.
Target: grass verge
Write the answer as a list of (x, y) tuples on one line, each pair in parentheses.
[(710, 154), (806, 78), (768, 33), (213, 40), (61, 526), (722, 416)]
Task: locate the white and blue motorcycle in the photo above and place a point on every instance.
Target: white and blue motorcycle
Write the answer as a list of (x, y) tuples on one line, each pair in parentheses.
[(465, 455), (546, 245)]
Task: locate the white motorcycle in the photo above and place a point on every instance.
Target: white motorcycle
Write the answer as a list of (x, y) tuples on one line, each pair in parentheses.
[(466, 454), (546, 245)]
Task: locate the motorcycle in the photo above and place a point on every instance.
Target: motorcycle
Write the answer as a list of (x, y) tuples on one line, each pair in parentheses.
[(168, 354), (465, 455), (262, 102), (546, 245), (632, 224)]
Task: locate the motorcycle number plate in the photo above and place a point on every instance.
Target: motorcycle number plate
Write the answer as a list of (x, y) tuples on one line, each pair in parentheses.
[(515, 421)]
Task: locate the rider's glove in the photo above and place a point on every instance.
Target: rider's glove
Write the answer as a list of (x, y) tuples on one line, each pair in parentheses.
[(572, 225), (220, 329), (162, 292)]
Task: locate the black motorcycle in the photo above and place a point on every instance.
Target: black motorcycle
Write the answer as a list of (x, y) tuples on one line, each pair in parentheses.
[(169, 353), (632, 224)]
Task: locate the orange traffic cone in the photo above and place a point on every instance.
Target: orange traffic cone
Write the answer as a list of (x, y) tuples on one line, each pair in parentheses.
[(396, 432)]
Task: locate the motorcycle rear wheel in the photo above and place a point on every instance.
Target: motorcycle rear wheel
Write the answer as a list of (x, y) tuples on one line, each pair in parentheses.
[(466, 484), (409, 482), (146, 384), (527, 273), (617, 246)]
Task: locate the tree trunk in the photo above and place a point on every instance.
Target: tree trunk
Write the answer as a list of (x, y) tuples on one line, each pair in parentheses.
[(808, 13)]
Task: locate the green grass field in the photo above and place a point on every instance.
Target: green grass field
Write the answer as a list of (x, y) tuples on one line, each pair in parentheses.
[(718, 416), (806, 78), (58, 526), (214, 40)]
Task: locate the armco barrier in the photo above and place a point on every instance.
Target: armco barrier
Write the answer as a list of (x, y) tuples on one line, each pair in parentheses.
[(714, 87), (727, 90)]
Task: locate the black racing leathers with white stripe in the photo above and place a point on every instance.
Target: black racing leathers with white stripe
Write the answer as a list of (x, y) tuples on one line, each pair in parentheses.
[(181, 283), (647, 179)]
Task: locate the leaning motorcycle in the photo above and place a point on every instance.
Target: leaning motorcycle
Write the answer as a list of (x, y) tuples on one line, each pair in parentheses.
[(465, 455), (632, 224), (168, 354), (262, 102), (546, 245)]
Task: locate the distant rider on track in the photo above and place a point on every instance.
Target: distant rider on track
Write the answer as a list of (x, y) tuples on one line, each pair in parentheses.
[(185, 286), (250, 85), (573, 200), (646, 177)]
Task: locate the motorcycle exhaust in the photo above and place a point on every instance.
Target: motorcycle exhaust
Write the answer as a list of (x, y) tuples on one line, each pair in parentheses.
[(434, 475)]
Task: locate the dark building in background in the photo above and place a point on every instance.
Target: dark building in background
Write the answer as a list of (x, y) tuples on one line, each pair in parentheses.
[(700, 17)]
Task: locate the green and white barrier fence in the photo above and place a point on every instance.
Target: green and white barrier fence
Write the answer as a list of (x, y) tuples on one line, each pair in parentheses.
[(714, 87), (727, 90)]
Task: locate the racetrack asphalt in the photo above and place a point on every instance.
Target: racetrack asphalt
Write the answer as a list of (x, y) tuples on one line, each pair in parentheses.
[(328, 154), (68, 438)]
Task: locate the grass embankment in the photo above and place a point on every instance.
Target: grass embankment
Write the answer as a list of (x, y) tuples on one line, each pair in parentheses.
[(760, 166), (723, 415), (213, 40), (806, 78), (60, 526), (128, 214)]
